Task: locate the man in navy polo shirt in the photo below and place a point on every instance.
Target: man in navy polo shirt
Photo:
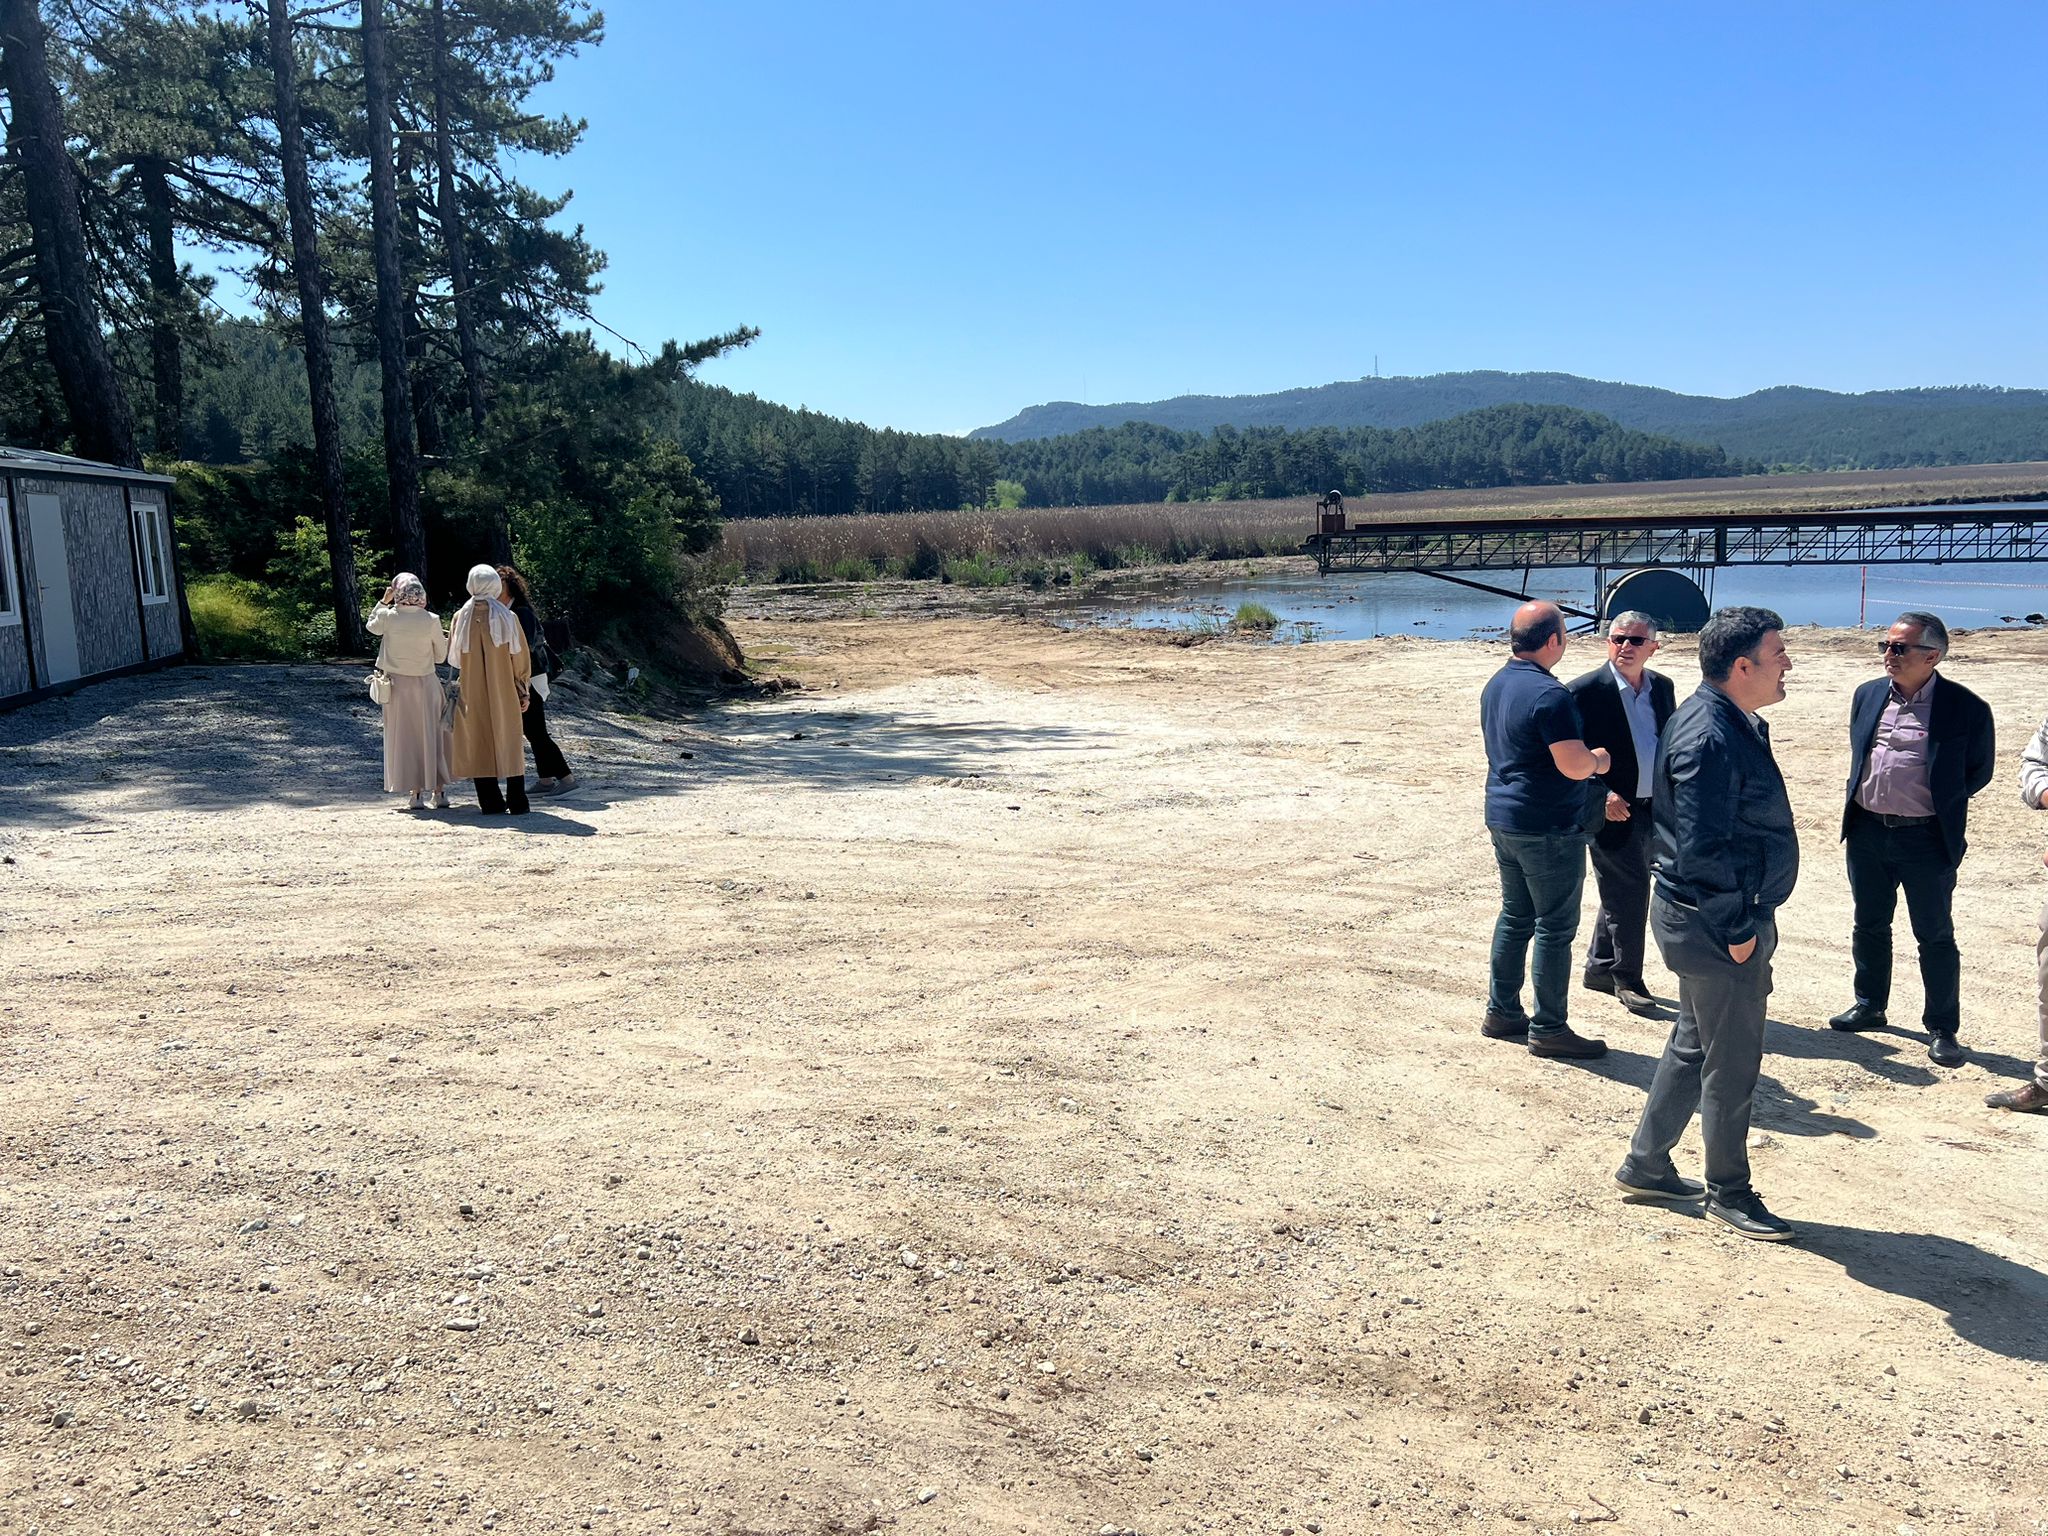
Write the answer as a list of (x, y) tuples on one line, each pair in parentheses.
[(1537, 804)]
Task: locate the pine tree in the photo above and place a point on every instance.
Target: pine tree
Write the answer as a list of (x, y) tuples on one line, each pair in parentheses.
[(101, 423), (310, 280), (401, 451)]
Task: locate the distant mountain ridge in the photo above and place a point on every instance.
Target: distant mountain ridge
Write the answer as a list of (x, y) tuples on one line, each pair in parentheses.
[(1790, 425)]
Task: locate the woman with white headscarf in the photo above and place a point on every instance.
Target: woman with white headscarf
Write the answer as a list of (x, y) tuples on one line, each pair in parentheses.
[(411, 645), (488, 647)]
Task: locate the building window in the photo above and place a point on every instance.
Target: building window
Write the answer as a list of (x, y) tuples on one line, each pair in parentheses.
[(152, 552), (10, 578)]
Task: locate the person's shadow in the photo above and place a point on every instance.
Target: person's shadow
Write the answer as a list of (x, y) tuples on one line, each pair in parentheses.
[(1774, 1107), (535, 823), (1994, 1303), (1896, 1054)]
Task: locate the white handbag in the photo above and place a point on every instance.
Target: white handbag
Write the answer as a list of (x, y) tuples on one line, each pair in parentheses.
[(380, 688)]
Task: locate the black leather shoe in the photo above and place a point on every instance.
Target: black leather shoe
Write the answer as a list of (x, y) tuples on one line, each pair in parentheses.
[(1745, 1214), (1946, 1051), (1567, 1045), (1635, 997), (1858, 1018), (1503, 1026), (1664, 1186), (1597, 981)]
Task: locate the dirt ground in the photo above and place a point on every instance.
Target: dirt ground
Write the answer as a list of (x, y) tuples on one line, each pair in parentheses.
[(1028, 1081)]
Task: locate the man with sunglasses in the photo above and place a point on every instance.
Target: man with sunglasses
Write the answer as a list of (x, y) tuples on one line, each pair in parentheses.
[(1624, 706), (1920, 744)]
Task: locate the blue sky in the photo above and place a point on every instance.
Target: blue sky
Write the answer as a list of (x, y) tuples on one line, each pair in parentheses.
[(938, 214)]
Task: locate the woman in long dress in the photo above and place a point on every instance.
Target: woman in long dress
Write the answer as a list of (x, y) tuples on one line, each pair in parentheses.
[(411, 646), (486, 643)]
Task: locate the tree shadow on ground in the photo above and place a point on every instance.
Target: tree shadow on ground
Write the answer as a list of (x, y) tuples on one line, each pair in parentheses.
[(1993, 1302), (216, 737), (1775, 1107)]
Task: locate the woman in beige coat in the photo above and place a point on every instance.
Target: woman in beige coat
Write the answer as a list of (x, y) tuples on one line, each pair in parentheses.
[(486, 644), (411, 646)]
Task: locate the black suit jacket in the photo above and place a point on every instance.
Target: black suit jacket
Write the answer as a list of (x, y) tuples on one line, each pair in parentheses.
[(1605, 718), (1961, 749)]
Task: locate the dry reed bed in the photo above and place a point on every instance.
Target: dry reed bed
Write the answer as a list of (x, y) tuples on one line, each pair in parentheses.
[(926, 543)]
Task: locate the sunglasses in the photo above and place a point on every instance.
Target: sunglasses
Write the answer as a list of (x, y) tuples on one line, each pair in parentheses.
[(1628, 639), (1901, 647)]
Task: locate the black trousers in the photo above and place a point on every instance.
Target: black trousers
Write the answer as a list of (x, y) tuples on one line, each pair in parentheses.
[(1623, 876), (1882, 861), (548, 761), (492, 801)]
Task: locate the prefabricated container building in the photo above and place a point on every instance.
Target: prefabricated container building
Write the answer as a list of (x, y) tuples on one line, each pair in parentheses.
[(88, 573)]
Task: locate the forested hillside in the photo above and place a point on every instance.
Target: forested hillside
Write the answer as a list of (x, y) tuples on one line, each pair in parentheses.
[(767, 459), (1792, 427)]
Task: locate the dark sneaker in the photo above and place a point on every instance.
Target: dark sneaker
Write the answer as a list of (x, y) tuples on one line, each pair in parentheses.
[(1946, 1050), (1567, 1044), (1745, 1214), (2028, 1098), (1859, 1017), (1663, 1186), (1504, 1026), (1634, 996), (1597, 981)]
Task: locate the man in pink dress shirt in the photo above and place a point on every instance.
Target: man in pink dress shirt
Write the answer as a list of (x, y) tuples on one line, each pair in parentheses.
[(1920, 746)]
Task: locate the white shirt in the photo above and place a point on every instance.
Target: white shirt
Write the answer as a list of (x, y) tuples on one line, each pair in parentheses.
[(1641, 708)]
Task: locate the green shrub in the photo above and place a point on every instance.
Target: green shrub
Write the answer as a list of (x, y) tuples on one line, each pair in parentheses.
[(1007, 495), (853, 568), (1255, 616), (977, 570), (236, 619), (800, 572)]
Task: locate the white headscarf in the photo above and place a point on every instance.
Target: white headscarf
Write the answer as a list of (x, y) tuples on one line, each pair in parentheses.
[(408, 591), (484, 585)]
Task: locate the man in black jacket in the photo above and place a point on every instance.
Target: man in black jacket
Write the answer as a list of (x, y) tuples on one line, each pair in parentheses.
[(1726, 858), (1920, 745), (1624, 706)]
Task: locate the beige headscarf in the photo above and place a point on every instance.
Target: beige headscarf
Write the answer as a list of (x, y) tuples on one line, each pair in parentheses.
[(484, 585)]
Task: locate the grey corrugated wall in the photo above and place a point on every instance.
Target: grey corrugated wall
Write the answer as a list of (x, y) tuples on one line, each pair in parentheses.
[(97, 550)]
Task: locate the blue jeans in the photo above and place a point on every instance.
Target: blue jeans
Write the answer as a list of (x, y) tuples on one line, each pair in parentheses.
[(1541, 878)]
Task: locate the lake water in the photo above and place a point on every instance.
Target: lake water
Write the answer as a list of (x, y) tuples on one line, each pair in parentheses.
[(1360, 605)]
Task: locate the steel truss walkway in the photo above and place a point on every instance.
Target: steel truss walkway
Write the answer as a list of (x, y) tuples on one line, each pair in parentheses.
[(1873, 536)]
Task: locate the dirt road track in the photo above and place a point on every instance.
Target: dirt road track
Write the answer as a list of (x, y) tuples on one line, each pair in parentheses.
[(1038, 1071)]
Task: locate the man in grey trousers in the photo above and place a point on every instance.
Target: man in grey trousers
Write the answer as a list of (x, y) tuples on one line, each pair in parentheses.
[(1726, 858)]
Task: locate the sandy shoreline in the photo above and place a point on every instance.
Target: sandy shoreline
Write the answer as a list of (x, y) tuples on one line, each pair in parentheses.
[(1038, 1069)]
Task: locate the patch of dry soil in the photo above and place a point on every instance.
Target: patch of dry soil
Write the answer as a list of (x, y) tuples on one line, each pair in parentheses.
[(1030, 1082)]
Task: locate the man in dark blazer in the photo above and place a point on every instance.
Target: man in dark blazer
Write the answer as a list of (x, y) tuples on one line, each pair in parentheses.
[(1920, 745), (1624, 706)]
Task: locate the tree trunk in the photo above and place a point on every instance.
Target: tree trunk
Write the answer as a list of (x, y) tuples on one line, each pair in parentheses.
[(100, 422), (166, 303), (298, 196), (450, 212), (426, 398), (401, 454)]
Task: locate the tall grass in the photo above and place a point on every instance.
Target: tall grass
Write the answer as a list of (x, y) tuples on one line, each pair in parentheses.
[(1028, 539), (978, 547), (236, 619)]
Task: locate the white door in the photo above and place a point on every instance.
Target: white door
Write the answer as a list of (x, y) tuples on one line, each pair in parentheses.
[(59, 658)]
